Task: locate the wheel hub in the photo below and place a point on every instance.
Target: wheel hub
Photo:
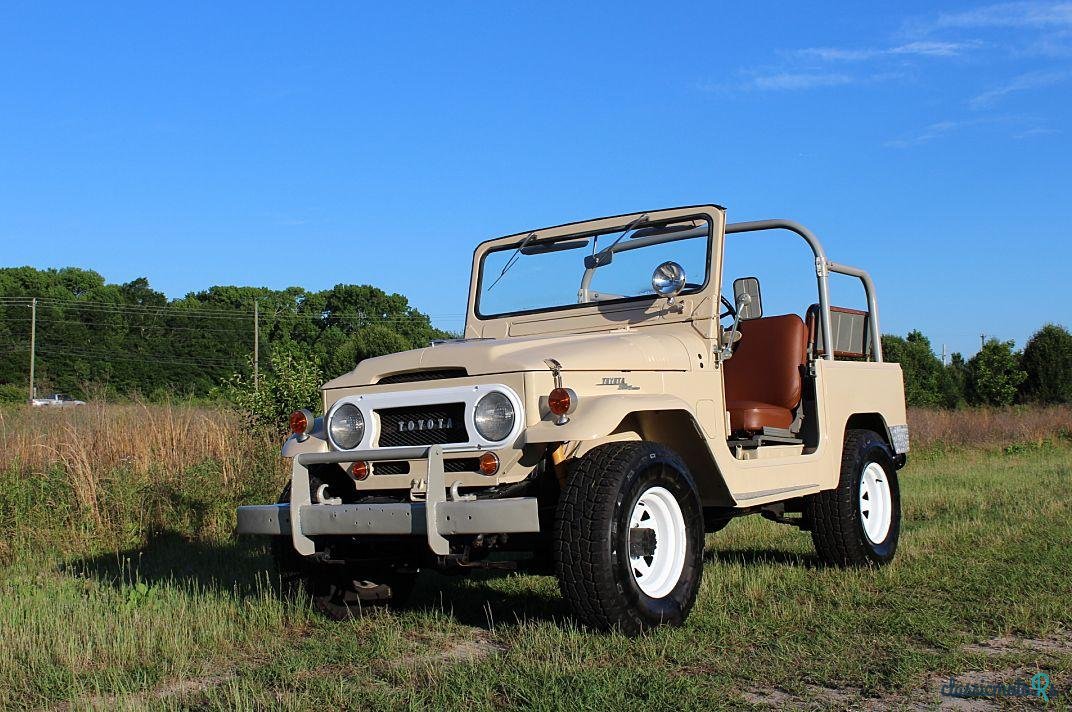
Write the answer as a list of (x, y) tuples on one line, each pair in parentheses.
[(657, 542), (876, 503)]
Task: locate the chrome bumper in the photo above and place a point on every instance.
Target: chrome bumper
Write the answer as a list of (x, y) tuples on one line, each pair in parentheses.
[(434, 518)]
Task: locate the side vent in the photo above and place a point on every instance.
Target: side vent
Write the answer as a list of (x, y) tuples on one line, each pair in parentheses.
[(430, 375)]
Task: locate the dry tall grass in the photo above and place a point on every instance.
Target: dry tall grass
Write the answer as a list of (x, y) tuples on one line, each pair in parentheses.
[(112, 473), (140, 438), (988, 427)]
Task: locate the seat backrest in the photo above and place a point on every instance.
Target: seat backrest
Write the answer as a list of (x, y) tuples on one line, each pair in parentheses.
[(852, 337), (767, 361)]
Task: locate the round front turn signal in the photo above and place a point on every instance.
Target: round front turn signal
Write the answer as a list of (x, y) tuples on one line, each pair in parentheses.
[(360, 470), (562, 401), (489, 464), (300, 422)]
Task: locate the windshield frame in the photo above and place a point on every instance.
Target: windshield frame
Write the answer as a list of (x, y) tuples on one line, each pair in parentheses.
[(481, 255)]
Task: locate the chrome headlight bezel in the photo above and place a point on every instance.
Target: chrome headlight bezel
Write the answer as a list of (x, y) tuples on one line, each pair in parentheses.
[(347, 438), (491, 425)]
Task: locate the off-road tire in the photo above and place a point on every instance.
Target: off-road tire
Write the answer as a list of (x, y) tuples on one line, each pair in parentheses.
[(335, 590), (835, 515), (592, 537)]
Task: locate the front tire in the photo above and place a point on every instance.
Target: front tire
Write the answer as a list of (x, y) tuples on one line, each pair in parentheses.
[(859, 522), (629, 538)]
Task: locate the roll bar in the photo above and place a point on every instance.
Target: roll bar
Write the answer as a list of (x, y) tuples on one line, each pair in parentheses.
[(823, 268)]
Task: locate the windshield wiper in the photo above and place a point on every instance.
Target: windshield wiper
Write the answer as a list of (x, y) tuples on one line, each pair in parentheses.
[(513, 258), (604, 256)]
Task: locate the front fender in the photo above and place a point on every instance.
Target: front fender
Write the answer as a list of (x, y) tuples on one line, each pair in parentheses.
[(598, 416), (294, 447)]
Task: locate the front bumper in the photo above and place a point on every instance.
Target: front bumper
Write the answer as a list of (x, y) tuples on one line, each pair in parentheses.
[(435, 518)]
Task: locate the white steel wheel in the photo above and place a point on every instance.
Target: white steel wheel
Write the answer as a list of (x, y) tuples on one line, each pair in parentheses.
[(876, 503), (657, 569)]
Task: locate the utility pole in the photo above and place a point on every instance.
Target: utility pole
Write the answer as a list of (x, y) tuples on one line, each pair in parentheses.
[(33, 342), (256, 347), (982, 341), (943, 355)]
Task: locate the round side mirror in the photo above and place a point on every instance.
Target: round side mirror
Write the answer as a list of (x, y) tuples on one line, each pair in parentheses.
[(668, 279)]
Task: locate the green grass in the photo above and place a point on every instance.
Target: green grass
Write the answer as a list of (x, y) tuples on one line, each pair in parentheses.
[(179, 622)]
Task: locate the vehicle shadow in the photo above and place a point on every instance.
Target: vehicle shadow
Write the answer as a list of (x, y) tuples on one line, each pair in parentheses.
[(244, 568), (762, 557), (170, 559)]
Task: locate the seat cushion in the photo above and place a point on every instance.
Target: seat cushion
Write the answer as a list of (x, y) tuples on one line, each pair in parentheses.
[(754, 416)]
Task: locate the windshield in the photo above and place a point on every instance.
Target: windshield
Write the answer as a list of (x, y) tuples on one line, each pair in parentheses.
[(538, 275)]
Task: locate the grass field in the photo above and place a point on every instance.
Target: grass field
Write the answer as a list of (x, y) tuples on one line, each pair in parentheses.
[(120, 585)]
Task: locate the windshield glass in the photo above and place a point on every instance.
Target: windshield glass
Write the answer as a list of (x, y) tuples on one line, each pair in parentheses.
[(537, 275)]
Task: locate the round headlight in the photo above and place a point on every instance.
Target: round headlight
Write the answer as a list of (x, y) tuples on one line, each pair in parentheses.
[(494, 416), (347, 426)]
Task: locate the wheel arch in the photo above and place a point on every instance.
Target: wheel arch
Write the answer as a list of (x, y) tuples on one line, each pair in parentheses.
[(875, 422), (677, 430)]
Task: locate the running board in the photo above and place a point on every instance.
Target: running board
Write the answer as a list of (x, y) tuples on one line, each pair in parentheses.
[(762, 494)]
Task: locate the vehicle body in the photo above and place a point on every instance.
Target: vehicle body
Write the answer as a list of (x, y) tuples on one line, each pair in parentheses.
[(56, 400), (640, 421)]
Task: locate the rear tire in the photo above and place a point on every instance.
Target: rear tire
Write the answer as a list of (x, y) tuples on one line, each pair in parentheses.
[(629, 538), (859, 522), (336, 590)]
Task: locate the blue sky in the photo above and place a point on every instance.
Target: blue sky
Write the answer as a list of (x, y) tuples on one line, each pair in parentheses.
[(312, 144)]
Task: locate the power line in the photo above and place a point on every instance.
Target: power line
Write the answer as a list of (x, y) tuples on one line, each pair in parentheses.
[(243, 316), (176, 309), (105, 324), (155, 358)]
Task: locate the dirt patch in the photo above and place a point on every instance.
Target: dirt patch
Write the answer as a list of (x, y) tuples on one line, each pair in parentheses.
[(479, 645), (930, 697), (1059, 644), (815, 697), (138, 700)]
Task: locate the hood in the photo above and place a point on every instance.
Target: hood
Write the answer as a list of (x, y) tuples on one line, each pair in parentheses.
[(603, 351)]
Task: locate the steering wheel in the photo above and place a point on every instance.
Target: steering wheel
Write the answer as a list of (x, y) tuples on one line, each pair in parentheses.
[(730, 309)]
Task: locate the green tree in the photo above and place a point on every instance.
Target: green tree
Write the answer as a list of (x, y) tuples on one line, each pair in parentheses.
[(927, 382), (291, 381), (956, 379), (994, 374), (1047, 361)]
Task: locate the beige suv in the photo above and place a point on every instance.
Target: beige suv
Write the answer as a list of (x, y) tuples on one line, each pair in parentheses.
[(606, 407)]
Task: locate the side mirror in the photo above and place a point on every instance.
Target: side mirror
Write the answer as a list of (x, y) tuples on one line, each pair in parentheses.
[(746, 295), (668, 279)]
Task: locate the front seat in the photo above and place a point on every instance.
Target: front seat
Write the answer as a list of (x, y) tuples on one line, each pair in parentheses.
[(763, 379)]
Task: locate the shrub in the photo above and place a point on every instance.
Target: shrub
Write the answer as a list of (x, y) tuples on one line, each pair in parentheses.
[(994, 375), (927, 382), (1047, 363), (13, 393), (291, 381)]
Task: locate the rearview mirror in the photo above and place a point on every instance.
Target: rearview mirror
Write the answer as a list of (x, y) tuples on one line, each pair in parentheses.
[(747, 298), (668, 279)]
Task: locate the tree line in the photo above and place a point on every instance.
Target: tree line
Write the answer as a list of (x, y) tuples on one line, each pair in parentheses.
[(998, 375), (116, 340), (98, 339)]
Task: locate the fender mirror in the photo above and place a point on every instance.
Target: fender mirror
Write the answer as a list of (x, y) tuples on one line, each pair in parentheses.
[(747, 297)]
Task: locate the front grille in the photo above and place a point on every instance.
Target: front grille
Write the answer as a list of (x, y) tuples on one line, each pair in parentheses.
[(391, 468), (422, 425), (429, 375), (462, 464), (401, 467)]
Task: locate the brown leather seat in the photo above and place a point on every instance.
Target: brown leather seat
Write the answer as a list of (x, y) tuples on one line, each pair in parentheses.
[(763, 379)]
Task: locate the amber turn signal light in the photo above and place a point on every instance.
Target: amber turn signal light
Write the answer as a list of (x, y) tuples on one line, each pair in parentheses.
[(562, 401), (489, 464), (360, 470), (300, 422)]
